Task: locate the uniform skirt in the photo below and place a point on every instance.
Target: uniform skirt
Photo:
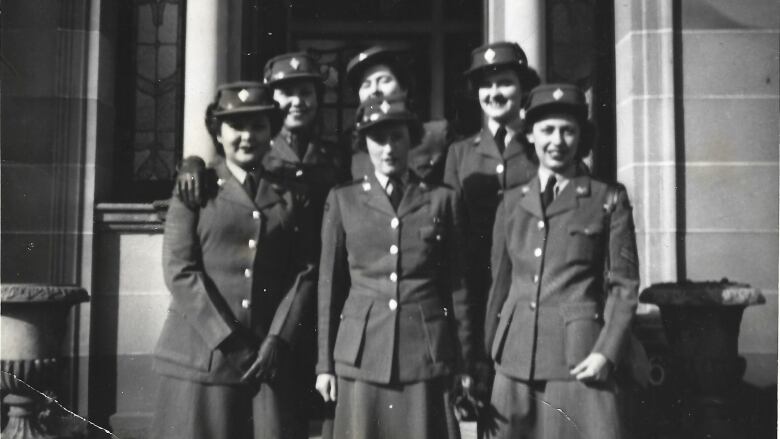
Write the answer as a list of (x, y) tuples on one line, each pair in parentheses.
[(192, 410), (554, 410), (420, 410)]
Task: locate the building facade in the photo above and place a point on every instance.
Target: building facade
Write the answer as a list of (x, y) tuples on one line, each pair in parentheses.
[(101, 98)]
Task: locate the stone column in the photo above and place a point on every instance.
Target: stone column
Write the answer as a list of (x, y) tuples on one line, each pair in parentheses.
[(647, 131), (524, 23), (212, 55)]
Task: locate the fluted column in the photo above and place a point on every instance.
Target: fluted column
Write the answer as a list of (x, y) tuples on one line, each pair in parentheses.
[(524, 23)]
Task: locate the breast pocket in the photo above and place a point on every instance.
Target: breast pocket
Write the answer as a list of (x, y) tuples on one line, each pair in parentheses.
[(582, 326), (351, 333), (585, 242)]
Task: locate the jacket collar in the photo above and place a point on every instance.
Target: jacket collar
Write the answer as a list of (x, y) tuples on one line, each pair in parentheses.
[(231, 189), (568, 199), (416, 193), (314, 150), (486, 145)]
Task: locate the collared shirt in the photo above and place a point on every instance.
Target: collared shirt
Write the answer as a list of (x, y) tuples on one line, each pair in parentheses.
[(510, 132), (384, 179), (560, 180)]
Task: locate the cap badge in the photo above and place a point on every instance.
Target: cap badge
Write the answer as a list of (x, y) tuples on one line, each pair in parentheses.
[(557, 94), (294, 63), (490, 55), (243, 95), (385, 107), (362, 56)]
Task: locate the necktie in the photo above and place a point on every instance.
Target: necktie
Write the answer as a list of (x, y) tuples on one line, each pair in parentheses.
[(250, 186), (549, 192), (394, 191), (500, 139)]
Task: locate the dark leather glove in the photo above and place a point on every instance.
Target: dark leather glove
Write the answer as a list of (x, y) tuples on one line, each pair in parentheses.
[(265, 366), (191, 181), (240, 350), (482, 371)]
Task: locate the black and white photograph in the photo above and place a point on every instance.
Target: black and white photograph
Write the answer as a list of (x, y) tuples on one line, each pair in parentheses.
[(389, 219)]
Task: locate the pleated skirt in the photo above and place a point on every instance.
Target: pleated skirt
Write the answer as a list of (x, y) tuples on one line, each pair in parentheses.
[(420, 410)]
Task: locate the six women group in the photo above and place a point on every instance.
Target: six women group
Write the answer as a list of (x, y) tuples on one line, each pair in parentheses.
[(494, 269)]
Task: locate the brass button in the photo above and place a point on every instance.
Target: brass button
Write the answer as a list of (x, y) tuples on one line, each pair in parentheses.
[(256, 214), (536, 278), (299, 173), (538, 252), (393, 249), (252, 243), (392, 304), (247, 273), (246, 303), (500, 169), (393, 277), (540, 224), (532, 306), (394, 223)]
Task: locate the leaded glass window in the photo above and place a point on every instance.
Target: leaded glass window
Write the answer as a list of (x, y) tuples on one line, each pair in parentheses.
[(149, 98)]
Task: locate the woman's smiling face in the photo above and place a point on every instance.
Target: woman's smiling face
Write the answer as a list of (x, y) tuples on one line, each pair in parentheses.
[(245, 138)]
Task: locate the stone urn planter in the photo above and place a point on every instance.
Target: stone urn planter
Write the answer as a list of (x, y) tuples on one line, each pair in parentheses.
[(701, 321), (32, 327)]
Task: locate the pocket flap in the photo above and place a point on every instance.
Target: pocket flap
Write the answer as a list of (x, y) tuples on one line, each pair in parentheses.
[(356, 307), (580, 311), (586, 229)]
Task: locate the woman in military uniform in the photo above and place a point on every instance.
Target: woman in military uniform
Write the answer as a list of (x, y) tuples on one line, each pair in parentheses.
[(482, 166), (394, 314), (380, 71), (565, 283), (239, 287)]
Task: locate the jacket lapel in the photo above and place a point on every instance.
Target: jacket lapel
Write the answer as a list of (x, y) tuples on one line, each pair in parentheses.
[(415, 195), (266, 194), (375, 197), (514, 148), (229, 187), (531, 200), (487, 146), (568, 198), (283, 149)]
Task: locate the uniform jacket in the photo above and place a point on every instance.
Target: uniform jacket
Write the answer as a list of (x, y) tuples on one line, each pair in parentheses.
[(480, 175), (564, 286), (426, 160), (392, 302), (322, 166), (233, 265)]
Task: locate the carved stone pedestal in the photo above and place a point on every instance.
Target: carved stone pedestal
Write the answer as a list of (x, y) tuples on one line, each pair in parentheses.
[(32, 326), (701, 321)]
